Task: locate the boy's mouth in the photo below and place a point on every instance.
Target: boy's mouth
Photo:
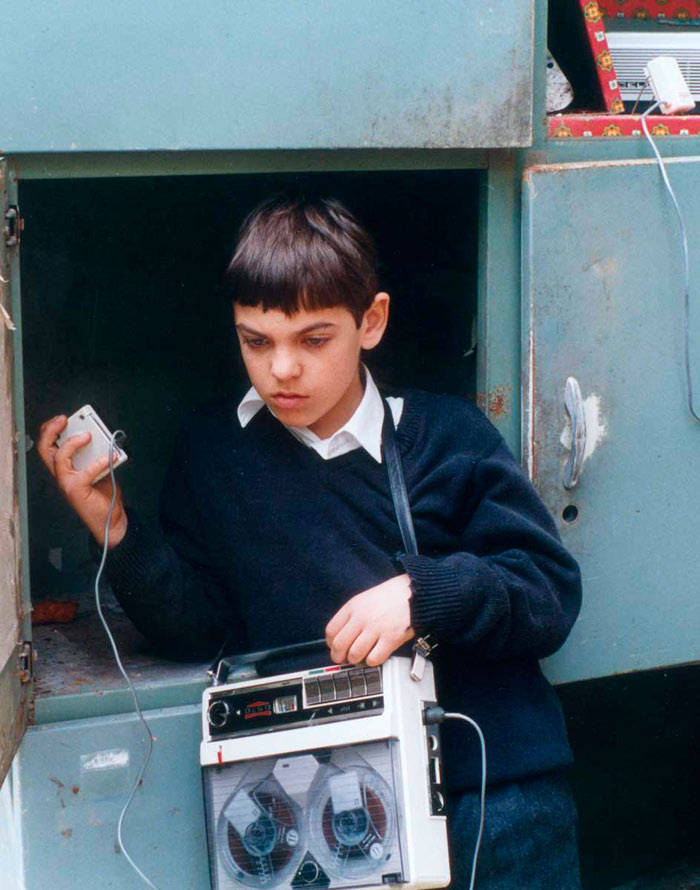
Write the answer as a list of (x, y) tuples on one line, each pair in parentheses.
[(288, 399)]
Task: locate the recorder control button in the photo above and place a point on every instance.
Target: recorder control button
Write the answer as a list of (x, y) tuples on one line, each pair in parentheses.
[(218, 713), (357, 683), (342, 686), (313, 693), (373, 678), (327, 689)]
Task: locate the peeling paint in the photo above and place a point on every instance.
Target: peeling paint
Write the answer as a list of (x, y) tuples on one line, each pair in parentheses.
[(112, 759), (596, 428)]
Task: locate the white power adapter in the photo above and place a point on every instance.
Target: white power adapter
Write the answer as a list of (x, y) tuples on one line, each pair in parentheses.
[(668, 85)]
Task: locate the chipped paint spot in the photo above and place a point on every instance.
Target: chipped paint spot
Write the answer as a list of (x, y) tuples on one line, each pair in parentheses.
[(595, 427), (112, 759)]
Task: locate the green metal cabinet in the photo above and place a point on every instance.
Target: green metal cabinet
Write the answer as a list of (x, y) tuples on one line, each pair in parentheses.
[(266, 74), (565, 285), (70, 780), (602, 303)]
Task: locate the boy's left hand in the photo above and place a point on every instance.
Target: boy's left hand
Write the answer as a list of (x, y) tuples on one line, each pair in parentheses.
[(373, 624)]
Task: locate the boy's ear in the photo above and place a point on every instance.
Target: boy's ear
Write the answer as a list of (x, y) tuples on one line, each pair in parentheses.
[(374, 321)]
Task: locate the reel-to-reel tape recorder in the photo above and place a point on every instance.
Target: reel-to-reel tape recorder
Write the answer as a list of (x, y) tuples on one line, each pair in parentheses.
[(324, 778)]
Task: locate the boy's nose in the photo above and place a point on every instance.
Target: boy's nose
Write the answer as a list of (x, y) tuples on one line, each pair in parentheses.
[(285, 366)]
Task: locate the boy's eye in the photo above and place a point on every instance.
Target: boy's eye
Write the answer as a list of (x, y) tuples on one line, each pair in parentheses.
[(317, 341), (254, 342)]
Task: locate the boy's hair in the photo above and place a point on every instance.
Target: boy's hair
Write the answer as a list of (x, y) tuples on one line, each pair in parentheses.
[(302, 253)]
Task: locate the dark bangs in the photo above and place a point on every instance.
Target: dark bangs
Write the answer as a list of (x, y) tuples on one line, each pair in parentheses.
[(298, 253)]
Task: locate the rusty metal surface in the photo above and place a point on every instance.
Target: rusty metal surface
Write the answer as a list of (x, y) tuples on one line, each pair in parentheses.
[(76, 658), (603, 302), (13, 692)]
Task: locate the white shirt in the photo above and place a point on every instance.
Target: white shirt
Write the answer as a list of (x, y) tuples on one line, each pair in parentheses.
[(363, 429)]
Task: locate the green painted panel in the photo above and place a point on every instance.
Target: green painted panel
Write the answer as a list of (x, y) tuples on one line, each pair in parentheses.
[(603, 302), (71, 781), (261, 74)]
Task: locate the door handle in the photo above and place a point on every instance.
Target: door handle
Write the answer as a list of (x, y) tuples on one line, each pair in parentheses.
[(573, 402)]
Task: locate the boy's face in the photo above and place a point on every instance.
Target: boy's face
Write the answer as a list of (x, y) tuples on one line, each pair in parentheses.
[(306, 366)]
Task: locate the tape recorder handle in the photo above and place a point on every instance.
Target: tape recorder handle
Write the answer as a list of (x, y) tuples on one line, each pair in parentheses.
[(221, 667), (280, 652)]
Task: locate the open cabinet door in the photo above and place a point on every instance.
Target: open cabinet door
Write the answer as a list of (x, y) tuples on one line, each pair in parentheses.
[(15, 649), (603, 289)]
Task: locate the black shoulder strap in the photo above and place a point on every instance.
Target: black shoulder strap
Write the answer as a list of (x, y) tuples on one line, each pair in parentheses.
[(392, 456)]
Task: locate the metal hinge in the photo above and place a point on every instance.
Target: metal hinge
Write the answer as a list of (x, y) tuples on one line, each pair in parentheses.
[(26, 663), (13, 226)]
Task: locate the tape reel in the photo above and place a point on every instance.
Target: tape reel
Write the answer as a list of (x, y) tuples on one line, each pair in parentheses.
[(261, 834), (351, 821)]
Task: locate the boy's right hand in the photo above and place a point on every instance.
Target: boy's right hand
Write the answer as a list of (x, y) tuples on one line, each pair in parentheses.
[(90, 502)]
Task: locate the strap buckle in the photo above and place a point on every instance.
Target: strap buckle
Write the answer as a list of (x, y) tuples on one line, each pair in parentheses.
[(421, 652)]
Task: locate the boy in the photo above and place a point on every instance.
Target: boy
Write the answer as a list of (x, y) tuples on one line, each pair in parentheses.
[(277, 521)]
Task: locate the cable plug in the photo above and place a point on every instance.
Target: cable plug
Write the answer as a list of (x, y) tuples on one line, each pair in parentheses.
[(434, 714), (668, 85)]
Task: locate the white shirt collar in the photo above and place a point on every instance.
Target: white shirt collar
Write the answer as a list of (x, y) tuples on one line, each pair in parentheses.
[(362, 430)]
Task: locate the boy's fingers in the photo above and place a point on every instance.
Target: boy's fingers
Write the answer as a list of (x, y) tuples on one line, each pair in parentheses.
[(343, 640), (380, 652), (337, 621), (96, 467), (63, 458), (362, 646), (46, 446)]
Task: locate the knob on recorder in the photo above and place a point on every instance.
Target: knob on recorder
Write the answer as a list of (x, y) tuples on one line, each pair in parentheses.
[(218, 713)]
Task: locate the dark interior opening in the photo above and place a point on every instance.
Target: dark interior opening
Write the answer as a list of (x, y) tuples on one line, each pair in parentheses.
[(123, 309)]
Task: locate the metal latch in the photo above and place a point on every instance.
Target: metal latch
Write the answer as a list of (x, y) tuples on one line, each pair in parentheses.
[(14, 224), (421, 650), (26, 663)]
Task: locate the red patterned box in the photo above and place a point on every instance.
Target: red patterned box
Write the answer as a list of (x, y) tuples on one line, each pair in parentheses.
[(598, 42), (614, 123), (603, 126), (681, 10)]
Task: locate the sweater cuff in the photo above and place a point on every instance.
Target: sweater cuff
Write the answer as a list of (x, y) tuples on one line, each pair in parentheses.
[(128, 556), (436, 602)]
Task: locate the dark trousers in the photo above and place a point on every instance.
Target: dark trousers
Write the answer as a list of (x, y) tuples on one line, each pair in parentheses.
[(529, 841)]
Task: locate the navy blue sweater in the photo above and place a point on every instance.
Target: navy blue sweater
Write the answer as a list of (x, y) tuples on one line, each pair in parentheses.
[(263, 536)]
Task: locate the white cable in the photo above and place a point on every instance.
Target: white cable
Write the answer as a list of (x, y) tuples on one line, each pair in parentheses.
[(124, 674), (449, 716), (684, 236)]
